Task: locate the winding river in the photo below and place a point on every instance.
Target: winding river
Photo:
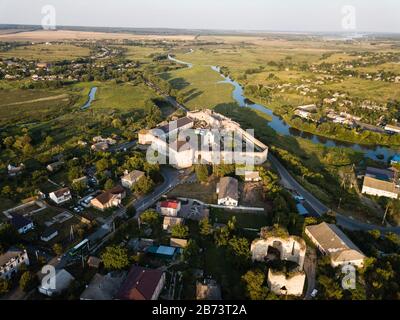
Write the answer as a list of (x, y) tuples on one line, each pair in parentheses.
[(281, 127), (92, 95)]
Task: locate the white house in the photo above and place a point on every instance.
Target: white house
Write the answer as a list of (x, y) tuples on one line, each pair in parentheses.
[(252, 176), (49, 234), (331, 241), (11, 261), (380, 182), (61, 196), (129, 179), (170, 208), (228, 192)]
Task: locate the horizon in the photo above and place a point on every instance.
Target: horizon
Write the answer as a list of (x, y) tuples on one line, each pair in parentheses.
[(223, 15)]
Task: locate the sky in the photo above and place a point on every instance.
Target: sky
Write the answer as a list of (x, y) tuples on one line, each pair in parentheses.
[(268, 15)]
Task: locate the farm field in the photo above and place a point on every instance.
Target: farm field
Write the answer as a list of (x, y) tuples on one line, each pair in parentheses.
[(47, 53)]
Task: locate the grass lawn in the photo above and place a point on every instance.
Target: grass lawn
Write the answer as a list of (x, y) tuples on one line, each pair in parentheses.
[(199, 191), (244, 219), (47, 53), (200, 87)]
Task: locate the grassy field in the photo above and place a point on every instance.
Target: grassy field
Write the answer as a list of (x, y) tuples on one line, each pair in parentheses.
[(19, 105), (47, 53), (200, 87), (140, 53), (123, 97)]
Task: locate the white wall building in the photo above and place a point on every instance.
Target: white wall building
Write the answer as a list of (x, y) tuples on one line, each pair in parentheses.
[(228, 192), (61, 196), (11, 261)]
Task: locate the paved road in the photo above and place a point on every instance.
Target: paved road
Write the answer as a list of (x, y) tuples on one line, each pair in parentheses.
[(310, 265), (321, 209)]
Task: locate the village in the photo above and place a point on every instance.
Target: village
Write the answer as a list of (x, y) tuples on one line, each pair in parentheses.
[(156, 232)]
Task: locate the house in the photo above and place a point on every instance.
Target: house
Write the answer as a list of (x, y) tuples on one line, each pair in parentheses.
[(392, 129), (100, 146), (129, 179), (62, 281), (103, 287), (170, 222), (381, 183), (178, 243), (109, 199), (331, 241), (55, 166), (22, 224), (252, 176), (49, 234), (170, 208), (60, 196), (142, 284), (228, 192), (162, 251), (395, 159), (13, 171), (81, 181), (94, 262), (208, 290), (11, 261)]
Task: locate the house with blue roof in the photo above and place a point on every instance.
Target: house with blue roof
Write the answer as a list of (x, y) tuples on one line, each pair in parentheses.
[(395, 159)]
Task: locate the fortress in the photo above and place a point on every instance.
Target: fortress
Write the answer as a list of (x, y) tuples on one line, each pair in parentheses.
[(203, 137)]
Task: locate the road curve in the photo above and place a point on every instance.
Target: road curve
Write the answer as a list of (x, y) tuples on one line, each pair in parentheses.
[(319, 207)]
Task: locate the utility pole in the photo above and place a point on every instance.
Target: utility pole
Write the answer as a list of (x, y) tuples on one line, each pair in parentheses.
[(384, 217)]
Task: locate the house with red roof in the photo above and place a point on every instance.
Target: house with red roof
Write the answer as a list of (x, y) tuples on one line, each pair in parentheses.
[(142, 284), (170, 208)]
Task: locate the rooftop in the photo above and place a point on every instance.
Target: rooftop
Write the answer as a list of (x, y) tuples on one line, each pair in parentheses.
[(228, 187), (140, 284), (334, 241)]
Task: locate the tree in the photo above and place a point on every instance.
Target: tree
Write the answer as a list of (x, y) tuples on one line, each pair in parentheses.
[(8, 235), (239, 251), (150, 217), (115, 258), (58, 249), (131, 211), (330, 288), (28, 281), (202, 172), (221, 236), (254, 281), (5, 286), (191, 253), (109, 184), (102, 165), (205, 227), (180, 231), (143, 186)]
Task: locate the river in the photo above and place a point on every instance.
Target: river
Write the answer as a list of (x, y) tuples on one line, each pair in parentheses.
[(92, 95), (281, 127)]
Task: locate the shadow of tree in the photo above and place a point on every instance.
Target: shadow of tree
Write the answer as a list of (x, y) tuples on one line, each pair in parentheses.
[(179, 83)]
